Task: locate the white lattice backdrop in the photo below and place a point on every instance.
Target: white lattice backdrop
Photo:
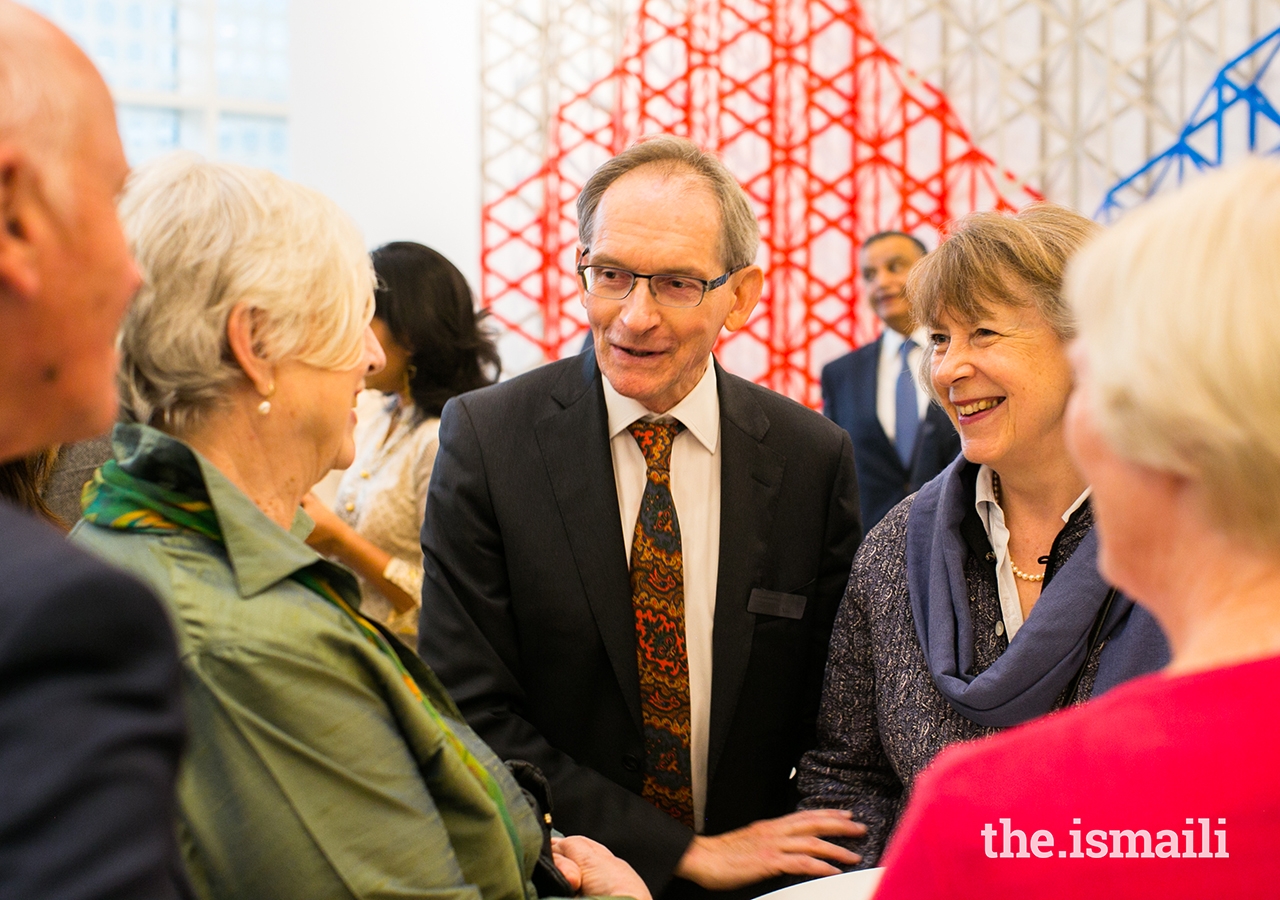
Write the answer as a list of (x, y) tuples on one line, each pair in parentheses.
[(1069, 97), (536, 55)]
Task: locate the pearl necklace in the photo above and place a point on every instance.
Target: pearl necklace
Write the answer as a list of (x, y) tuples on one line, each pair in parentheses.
[(1018, 573)]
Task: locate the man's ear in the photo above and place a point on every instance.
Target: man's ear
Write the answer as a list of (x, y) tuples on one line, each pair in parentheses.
[(244, 343), (24, 222), (746, 294)]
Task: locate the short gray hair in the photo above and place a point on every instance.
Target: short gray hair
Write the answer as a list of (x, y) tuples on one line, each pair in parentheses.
[(739, 231), (988, 257), (1179, 312), (208, 236)]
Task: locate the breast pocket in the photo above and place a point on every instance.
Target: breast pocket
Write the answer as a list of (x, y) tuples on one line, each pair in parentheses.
[(776, 603)]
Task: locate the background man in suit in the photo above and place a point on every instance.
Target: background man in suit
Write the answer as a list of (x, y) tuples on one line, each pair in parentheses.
[(670, 696), (900, 438), (90, 720)]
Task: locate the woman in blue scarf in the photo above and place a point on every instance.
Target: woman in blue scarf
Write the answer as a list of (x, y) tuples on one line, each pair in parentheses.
[(976, 604)]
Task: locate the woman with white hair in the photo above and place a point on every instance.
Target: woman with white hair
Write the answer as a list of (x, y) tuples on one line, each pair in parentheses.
[(325, 759), (1168, 786)]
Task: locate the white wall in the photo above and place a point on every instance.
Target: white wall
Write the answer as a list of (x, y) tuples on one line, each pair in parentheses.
[(385, 117)]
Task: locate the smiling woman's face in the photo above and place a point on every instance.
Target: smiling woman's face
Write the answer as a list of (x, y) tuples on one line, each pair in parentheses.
[(1004, 380)]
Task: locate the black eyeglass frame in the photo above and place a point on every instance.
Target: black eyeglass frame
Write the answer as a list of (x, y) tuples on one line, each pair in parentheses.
[(636, 276)]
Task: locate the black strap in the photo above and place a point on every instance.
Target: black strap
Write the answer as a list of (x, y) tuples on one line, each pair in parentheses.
[(548, 880), (1095, 635)]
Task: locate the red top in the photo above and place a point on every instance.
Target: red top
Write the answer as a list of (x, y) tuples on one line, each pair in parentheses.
[(1047, 810)]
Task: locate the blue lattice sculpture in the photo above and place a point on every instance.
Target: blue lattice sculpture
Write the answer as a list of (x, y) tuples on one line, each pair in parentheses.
[(1235, 117)]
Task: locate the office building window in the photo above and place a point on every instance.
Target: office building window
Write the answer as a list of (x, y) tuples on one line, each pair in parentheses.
[(205, 75)]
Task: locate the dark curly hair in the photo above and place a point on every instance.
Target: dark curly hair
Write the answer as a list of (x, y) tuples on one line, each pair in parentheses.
[(428, 307)]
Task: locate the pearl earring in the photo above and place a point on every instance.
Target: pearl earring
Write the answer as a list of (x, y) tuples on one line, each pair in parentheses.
[(265, 406)]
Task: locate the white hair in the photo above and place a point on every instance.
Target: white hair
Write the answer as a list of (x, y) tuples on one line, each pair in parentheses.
[(1179, 315), (208, 236)]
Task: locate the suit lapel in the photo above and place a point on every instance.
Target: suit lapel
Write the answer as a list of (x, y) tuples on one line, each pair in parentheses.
[(867, 381), (574, 443), (867, 376), (936, 422), (750, 478), (929, 443)]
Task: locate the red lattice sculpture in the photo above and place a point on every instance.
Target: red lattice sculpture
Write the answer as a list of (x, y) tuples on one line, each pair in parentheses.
[(832, 139)]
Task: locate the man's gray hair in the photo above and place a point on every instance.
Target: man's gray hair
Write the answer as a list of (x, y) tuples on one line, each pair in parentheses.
[(739, 231)]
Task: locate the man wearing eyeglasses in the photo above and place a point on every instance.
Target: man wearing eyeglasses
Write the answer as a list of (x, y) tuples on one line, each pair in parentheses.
[(633, 558)]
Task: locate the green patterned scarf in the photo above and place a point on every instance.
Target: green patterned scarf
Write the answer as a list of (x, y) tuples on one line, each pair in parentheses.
[(116, 499)]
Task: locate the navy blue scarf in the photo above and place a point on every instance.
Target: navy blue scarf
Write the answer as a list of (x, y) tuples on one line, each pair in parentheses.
[(1050, 648)]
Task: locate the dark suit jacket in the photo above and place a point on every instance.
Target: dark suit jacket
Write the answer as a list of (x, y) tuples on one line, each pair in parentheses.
[(849, 400), (527, 615), (91, 725)]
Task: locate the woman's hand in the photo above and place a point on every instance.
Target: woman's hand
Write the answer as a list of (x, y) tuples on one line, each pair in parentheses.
[(330, 531), (335, 538), (591, 869)]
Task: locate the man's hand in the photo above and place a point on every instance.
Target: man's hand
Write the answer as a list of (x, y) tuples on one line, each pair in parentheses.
[(789, 845), (591, 869)]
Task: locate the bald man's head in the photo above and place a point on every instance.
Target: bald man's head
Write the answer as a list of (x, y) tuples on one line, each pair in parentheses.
[(66, 275), (46, 85)]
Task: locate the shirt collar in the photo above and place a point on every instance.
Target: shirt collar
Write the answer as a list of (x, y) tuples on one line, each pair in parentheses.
[(985, 492), (699, 411), (260, 552)]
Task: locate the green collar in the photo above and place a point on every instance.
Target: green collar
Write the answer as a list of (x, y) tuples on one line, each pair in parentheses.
[(260, 552)]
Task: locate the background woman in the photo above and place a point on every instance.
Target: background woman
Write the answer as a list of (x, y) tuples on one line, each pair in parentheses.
[(426, 321), (1168, 786), (976, 604), (325, 760)]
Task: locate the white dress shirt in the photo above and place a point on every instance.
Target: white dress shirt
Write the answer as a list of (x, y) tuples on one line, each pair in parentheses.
[(998, 534), (695, 490), (887, 377)]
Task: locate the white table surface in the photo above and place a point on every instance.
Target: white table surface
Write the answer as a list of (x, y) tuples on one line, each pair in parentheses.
[(847, 886)]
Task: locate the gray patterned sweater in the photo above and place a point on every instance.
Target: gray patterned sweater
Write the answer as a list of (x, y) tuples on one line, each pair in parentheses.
[(882, 720)]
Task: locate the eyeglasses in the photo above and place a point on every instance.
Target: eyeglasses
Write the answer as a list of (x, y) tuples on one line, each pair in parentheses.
[(612, 283)]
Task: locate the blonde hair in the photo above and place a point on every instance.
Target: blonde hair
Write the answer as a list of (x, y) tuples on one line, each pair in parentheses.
[(1179, 311), (992, 257), (208, 236)]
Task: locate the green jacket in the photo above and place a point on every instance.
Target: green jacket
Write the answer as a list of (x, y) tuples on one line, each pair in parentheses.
[(311, 771)]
